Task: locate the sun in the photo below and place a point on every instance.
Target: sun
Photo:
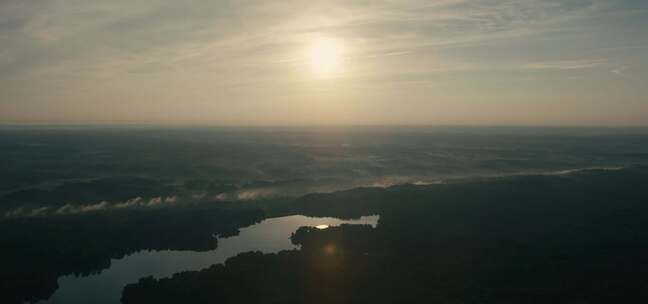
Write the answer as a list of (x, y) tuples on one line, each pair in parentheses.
[(323, 55)]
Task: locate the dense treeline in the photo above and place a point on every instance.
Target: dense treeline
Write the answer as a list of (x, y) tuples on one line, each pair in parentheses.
[(579, 238), (36, 251)]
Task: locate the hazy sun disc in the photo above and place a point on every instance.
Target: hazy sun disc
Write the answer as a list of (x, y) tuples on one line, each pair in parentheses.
[(324, 56)]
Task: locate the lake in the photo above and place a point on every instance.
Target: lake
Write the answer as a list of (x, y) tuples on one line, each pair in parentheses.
[(269, 236)]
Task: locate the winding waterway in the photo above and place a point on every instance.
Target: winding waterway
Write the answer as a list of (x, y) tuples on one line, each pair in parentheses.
[(269, 236)]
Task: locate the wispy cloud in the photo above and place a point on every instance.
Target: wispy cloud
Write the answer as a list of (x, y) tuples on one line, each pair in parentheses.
[(69, 209), (620, 71), (152, 32), (566, 64)]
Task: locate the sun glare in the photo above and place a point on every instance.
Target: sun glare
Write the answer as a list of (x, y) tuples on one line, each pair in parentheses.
[(324, 56)]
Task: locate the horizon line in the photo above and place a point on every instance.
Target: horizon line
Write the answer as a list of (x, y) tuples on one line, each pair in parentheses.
[(332, 125)]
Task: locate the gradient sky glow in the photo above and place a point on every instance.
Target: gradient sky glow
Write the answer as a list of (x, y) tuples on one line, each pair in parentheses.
[(239, 62)]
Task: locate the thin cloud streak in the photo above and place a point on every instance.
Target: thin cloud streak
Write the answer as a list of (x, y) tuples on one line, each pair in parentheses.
[(566, 64)]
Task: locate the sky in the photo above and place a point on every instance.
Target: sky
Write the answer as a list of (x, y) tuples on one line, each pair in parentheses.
[(243, 62)]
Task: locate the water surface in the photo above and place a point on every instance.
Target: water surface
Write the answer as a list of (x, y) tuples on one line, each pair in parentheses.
[(270, 235)]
